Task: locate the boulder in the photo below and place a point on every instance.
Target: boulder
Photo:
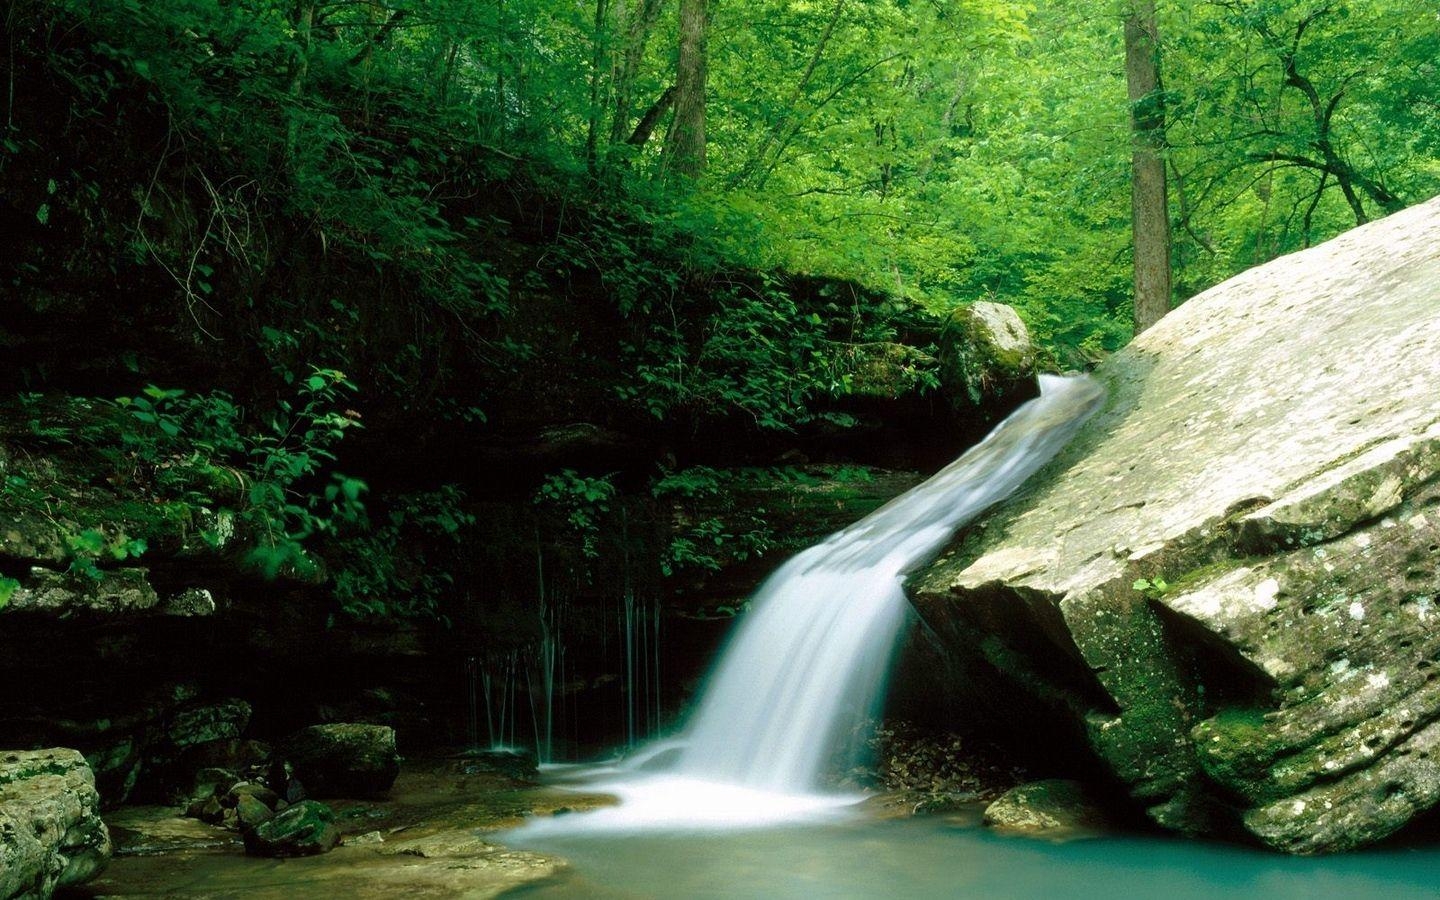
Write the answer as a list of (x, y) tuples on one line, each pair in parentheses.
[(1225, 586), (521, 765), (250, 811), (343, 760), (1051, 808), (51, 835), (251, 789), (986, 358), (306, 829)]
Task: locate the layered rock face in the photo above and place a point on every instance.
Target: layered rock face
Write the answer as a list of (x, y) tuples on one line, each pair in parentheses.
[(1226, 586), (51, 835)]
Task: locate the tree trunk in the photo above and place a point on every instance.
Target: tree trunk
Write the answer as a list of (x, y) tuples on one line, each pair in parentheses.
[(599, 39), (639, 22), (685, 143), (647, 123), (1149, 208), (303, 16)]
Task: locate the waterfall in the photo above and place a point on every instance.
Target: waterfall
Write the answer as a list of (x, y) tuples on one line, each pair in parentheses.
[(808, 661)]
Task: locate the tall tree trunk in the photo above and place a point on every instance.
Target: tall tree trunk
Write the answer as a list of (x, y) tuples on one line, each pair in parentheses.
[(599, 39), (1149, 208), (685, 143), (303, 16), (639, 22)]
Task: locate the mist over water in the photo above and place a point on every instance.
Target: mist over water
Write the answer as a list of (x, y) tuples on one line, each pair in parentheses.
[(808, 662)]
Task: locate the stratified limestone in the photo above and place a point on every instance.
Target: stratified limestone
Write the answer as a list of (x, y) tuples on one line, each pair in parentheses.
[(1269, 465)]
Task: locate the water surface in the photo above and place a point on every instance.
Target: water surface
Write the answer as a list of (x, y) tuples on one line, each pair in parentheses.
[(954, 857)]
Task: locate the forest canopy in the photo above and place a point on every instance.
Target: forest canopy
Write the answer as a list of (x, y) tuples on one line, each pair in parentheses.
[(945, 151)]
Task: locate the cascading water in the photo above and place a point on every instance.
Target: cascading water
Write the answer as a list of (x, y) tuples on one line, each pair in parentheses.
[(809, 660)]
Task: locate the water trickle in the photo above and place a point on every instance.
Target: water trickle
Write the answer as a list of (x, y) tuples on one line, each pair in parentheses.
[(808, 662)]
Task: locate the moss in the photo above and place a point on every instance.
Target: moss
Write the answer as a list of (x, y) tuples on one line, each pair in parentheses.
[(1148, 743), (1235, 748), (23, 773), (974, 364)]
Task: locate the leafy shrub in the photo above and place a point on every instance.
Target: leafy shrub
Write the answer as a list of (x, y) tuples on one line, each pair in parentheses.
[(380, 572), (179, 436), (581, 501)]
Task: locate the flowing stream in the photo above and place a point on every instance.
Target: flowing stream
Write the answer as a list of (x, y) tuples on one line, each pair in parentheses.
[(808, 662)]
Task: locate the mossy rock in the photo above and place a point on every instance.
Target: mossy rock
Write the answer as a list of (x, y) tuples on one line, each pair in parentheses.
[(1052, 808), (306, 829), (344, 760), (986, 358)]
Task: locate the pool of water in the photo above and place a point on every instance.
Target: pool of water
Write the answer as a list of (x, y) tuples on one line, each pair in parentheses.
[(955, 857)]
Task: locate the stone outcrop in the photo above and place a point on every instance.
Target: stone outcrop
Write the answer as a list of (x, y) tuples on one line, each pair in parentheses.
[(51, 835), (1226, 586)]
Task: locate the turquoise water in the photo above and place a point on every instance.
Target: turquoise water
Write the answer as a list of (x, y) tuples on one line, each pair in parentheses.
[(954, 857)]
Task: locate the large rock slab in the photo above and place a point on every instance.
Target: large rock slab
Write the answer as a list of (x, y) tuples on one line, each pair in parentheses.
[(1227, 584), (51, 835)]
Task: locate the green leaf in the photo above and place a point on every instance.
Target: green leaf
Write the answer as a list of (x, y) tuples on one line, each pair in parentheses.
[(8, 587)]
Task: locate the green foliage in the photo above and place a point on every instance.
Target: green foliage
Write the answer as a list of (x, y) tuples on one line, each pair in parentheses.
[(938, 152), (706, 544), (1153, 588), (396, 569), (92, 546), (197, 444), (581, 501), (8, 587)]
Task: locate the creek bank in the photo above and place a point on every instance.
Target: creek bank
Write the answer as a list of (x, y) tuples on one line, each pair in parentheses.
[(1223, 591), (429, 837), (128, 597)]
